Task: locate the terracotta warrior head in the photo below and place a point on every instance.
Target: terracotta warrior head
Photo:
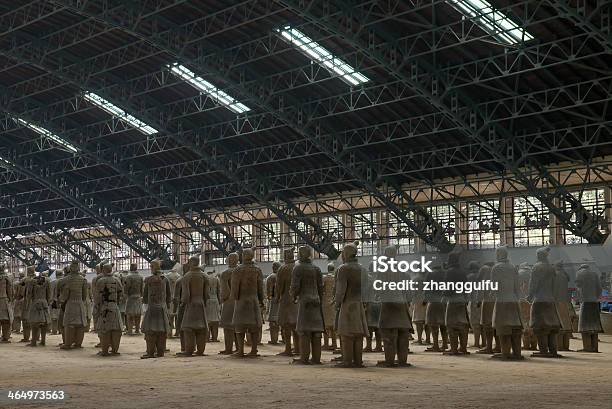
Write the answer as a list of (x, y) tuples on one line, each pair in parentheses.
[(305, 254), (542, 254), (31, 271), (21, 275), (288, 256), (501, 254), (134, 267), (232, 259), (155, 266), (275, 266), (473, 266), (59, 273), (248, 255), (98, 269), (349, 252), (391, 251), (194, 263), (106, 268)]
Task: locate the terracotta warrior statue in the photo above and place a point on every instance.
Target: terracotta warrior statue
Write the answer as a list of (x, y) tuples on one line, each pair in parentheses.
[(18, 293), (173, 275), (213, 306), (133, 287), (155, 325), (507, 321), (307, 291), (419, 309), (227, 304), (434, 313), (474, 305), (108, 292), (121, 276), (563, 306), (248, 294), (56, 296), (329, 309), (456, 316), (88, 303), (372, 307), (98, 270), (352, 322), (54, 307), (287, 309), (487, 303), (544, 318), (272, 303), (38, 297), (530, 341), (6, 298), (589, 322), (395, 322), (179, 307), (194, 295), (74, 293), (25, 284)]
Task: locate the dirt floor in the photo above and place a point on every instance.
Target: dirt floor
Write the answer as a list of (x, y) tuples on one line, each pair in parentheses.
[(216, 381)]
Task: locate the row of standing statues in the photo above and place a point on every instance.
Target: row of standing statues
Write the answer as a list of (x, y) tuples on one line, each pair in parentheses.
[(530, 309)]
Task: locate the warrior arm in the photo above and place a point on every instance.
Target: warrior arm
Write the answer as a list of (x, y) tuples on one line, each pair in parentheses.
[(296, 283), (235, 287), (280, 285), (85, 291), (185, 290), (205, 290), (320, 283), (168, 293), (9, 290), (260, 288), (145, 292), (341, 286), (218, 290), (533, 283)]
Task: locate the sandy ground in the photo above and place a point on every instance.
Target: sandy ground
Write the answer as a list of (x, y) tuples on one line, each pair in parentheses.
[(215, 381)]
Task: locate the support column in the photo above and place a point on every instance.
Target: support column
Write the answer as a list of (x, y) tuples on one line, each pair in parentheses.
[(506, 222), (462, 224)]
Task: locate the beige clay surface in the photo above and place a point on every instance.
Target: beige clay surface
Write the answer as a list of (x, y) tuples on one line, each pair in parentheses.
[(126, 381)]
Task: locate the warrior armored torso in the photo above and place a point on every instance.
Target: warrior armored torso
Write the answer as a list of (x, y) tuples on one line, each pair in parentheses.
[(213, 304), (107, 295), (307, 287), (134, 285), (74, 295), (248, 294), (287, 309), (158, 297), (38, 295)]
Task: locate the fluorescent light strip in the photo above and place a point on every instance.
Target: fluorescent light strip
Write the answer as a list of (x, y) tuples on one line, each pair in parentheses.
[(322, 56), (494, 22), (117, 112), (206, 87), (6, 163), (47, 134)]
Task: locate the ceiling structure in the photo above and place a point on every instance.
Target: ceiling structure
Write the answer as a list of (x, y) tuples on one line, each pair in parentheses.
[(114, 112)]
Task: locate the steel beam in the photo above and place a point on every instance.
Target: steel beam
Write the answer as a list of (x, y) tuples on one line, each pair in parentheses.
[(434, 92)]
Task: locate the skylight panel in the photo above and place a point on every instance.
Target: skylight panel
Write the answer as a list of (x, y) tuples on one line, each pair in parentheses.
[(48, 134), (206, 87), (494, 22), (322, 56), (117, 112)]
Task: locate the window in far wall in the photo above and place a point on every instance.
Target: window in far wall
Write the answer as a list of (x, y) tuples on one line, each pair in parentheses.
[(400, 234), (365, 230), (592, 214), (531, 222), (483, 224)]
